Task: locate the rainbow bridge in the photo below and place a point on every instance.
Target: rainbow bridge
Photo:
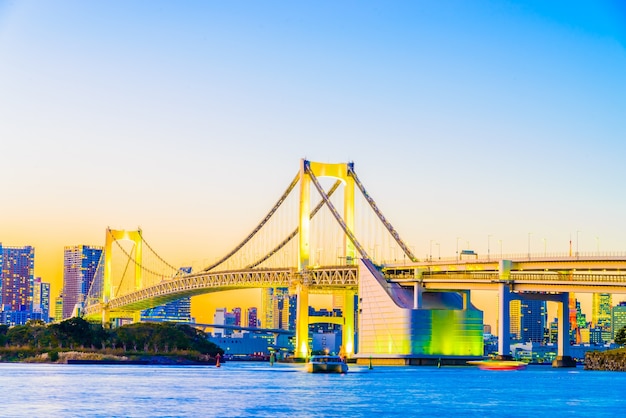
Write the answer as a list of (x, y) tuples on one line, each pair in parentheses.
[(409, 311)]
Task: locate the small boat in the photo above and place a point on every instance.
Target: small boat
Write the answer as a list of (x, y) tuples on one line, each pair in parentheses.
[(326, 364), (498, 364)]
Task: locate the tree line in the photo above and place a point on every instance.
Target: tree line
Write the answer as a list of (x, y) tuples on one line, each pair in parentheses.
[(77, 333)]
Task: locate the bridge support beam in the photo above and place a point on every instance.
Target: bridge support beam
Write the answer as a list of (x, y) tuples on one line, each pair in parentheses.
[(563, 359), (347, 331), (113, 235), (302, 322), (339, 172), (106, 318)]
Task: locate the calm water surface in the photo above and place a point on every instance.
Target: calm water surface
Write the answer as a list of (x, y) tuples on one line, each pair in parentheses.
[(260, 390)]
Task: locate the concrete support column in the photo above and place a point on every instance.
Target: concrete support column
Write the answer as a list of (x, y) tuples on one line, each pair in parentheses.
[(504, 321), (106, 318), (563, 359), (302, 322), (465, 294), (417, 295), (347, 331)]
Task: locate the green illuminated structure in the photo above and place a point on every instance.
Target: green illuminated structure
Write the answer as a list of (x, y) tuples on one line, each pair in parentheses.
[(405, 326)]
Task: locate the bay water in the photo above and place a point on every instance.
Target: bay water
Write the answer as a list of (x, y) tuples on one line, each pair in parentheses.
[(248, 389)]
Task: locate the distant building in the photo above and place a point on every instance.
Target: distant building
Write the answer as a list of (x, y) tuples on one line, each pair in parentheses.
[(252, 318), (243, 344), (601, 311), (553, 332), (224, 318), (41, 299), (618, 317), (515, 320), (80, 263), (237, 313), (17, 275), (532, 320), (279, 308), (17, 282), (58, 308), (175, 311)]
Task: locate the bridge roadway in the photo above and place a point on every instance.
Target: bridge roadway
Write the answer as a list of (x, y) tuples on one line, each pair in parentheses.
[(319, 280), (588, 274)]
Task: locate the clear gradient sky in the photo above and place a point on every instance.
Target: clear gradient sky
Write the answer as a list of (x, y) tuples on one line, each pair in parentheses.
[(188, 119)]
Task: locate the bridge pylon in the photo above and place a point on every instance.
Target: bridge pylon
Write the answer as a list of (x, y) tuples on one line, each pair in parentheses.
[(113, 235), (340, 172)]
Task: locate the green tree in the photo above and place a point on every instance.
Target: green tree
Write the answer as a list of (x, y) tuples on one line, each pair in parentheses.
[(20, 335), (620, 336)]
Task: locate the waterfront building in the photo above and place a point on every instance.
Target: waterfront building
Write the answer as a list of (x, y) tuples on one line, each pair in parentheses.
[(175, 311), (596, 336), (618, 318), (243, 345), (237, 313), (252, 318), (279, 308), (80, 263), (226, 319), (41, 299), (58, 308), (573, 320), (533, 320), (17, 282), (17, 277), (515, 315), (326, 342), (553, 332), (601, 311)]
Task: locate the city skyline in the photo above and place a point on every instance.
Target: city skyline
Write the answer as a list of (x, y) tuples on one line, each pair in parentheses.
[(493, 126)]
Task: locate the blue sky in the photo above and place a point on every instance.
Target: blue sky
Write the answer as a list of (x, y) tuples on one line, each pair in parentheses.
[(464, 119)]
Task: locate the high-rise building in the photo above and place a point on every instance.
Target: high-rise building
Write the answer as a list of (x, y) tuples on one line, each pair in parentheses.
[(252, 318), (80, 263), (533, 320), (618, 317), (41, 299), (17, 266), (237, 313), (223, 317), (176, 311), (58, 308), (515, 321), (574, 330), (601, 311), (279, 308)]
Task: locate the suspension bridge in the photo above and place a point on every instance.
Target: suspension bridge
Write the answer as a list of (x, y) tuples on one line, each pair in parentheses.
[(323, 236)]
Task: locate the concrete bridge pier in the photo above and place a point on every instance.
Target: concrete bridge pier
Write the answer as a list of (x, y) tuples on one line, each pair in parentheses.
[(563, 359)]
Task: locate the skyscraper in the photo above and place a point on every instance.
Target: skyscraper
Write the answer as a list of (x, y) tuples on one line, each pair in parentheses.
[(41, 299), (252, 318), (80, 263), (515, 322), (533, 320), (618, 317), (176, 311), (601, 310), (17, 266), (279, 308)]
